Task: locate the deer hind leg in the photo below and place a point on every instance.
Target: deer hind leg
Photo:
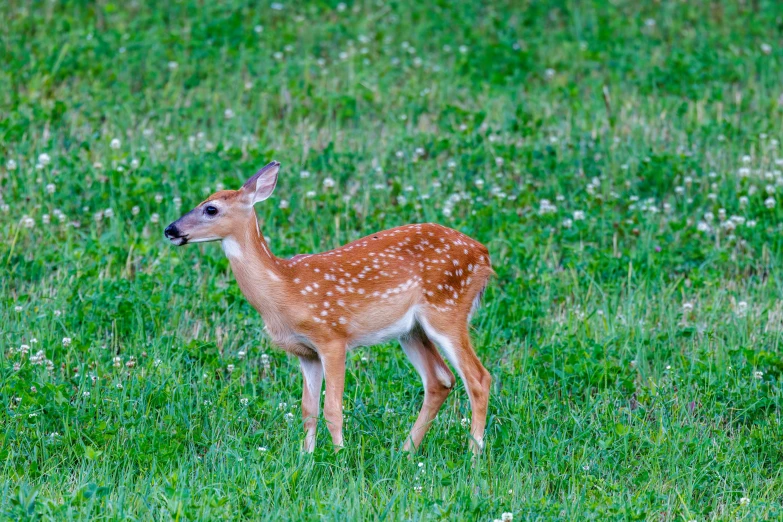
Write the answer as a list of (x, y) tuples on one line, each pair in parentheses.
[(313, 376), (454, 341), (436, 378)]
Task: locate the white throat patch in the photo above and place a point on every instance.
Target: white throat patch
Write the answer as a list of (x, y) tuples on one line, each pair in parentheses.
[(231, 248)]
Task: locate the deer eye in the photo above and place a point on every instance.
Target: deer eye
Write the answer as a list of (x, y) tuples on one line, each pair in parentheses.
[(210, 210)]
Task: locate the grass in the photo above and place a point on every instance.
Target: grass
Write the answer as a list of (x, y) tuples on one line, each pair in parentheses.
[(619, 159)]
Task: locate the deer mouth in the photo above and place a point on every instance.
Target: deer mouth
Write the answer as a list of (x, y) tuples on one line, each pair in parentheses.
[(173, 235)]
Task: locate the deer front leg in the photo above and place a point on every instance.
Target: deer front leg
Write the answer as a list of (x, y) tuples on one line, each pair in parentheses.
[(313, 376), (333, 360)]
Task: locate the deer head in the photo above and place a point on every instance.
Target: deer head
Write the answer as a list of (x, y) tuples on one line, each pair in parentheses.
[(216, 217)]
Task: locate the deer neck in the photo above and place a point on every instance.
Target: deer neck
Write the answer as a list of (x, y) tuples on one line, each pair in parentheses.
[(255, 268)]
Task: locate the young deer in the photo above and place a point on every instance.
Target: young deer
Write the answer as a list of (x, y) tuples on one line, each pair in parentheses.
[(417, 283)]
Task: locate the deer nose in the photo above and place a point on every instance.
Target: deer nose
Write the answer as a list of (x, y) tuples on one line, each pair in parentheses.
[(171, 231)]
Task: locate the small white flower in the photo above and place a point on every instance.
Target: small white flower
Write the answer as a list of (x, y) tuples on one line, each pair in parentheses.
[(262, 449), (284, 203), (687, 307), (134, 164), (703, 227), (328, 183), (85, 394), (579, 215), (230, 368), (10, 165), (155, 217), (244, 401), (417, 489), (66, 341), (507, 517), (277, 6), (228, 114), (259, 29), (744, 501), (50, 188), (115, 144), (341, 7), (135, 210), (119, 386), (172, 66), (769, 202), (567, 223), (766, 48), (549, 74), (44, 159), (758, 375), (310, 194), (289, 417), (650, 22)]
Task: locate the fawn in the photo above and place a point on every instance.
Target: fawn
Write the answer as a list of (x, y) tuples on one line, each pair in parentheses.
[(416, 283)]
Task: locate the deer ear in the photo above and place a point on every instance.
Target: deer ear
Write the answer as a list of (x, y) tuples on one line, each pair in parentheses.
[(261, 185)]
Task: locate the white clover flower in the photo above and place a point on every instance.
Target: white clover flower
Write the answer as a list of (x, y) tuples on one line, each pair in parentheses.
[(158, 198), (304, 174), (119, 386), (766, 48), (135, 210), (687, 307), (66, 341), (284, 203), (758, 375), (277, 6), (134, 163), (262, 449), (743, 172), (549, 73), (10, 164), (650, 22), (709, 216), (579, 215), (743, 201), (115, 144), (328, 183), (744, 501), (289, 417), (546, 207), (98, 216), (244, 401), (44, 159), (248, 85), (567, 223), (155, 217), (28, 222), (172, 67), (230, 368), (746, 159), (85, 394), (5, 208), (769, 202), (310, 194), (50, 188), (751, 223), (228, 114), (259, 29), (177, 202)]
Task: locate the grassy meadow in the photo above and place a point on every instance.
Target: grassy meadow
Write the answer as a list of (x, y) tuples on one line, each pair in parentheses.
[(620, 159)]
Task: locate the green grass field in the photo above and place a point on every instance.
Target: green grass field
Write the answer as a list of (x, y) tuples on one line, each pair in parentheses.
[(620, 159)]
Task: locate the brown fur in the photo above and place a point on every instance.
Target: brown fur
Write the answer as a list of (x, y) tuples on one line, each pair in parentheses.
[(404, 282)]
